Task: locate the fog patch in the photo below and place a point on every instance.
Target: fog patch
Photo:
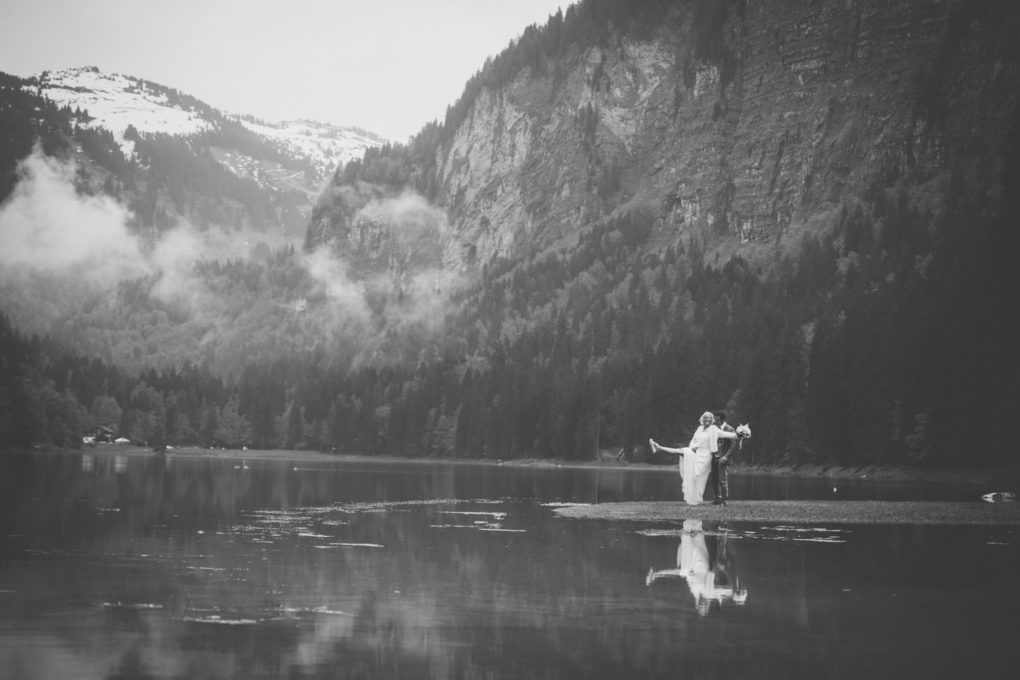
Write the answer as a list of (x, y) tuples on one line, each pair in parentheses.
[(174, 256), (422, 298), (346, 298), (158, 302), (417, 285), (416, 227), (46, 227)]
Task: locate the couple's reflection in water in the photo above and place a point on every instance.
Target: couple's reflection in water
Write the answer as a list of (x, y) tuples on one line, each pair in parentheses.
[(705, 561)]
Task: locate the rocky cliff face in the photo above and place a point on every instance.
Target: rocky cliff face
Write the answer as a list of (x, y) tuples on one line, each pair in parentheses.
[(739, 120)]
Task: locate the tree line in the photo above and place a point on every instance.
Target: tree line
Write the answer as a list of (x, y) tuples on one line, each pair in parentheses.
[(881, 341)]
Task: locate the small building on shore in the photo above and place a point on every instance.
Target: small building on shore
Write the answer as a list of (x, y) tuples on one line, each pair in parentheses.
[(101, 434)]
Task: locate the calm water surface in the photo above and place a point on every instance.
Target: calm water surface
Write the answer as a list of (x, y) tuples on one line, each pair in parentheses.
[(141, 567)]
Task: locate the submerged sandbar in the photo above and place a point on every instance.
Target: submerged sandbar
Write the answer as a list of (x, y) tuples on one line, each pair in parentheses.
[(805, 512)]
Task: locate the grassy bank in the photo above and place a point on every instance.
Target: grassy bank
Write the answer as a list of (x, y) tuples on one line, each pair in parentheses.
[(806, 512)]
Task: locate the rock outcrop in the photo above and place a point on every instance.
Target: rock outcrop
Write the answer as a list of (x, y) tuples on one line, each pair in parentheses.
[(739, 120)]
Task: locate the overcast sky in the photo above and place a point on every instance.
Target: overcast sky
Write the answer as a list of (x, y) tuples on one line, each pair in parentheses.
[(389, 66)]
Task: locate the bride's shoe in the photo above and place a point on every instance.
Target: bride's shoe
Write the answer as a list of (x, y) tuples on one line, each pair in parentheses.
[(653, 445)]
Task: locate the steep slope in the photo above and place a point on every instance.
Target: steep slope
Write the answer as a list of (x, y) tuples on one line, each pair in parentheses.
[(799, 211), (736, 119)]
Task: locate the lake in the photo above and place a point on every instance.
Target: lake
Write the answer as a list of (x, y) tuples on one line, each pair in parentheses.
[(147, 567)]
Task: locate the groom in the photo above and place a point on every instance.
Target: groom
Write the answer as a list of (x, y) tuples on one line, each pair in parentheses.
[(721, 462)]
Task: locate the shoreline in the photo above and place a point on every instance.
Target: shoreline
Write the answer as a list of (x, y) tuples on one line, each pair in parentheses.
[(875, 473)]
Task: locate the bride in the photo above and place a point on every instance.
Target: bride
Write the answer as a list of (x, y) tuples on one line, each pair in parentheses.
[(696, 458)]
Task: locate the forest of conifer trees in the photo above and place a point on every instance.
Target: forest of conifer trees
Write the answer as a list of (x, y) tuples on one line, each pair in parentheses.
[(826, 353)]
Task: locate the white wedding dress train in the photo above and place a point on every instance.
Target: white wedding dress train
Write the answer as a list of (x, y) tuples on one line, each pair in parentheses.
[(695, 467)]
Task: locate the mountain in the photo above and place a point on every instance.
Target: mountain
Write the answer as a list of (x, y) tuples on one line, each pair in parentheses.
[(802, 213), (137, 222), (789, 209), (114, 102), (118, 120), (327, 146), (741, 121)]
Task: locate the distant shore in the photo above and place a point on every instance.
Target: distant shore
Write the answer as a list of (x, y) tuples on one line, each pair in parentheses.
[(992, 479)]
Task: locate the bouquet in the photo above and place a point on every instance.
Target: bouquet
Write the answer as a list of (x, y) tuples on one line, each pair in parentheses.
[(743, 431)]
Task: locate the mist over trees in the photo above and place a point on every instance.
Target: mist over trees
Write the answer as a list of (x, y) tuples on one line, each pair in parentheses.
[(826, 353)]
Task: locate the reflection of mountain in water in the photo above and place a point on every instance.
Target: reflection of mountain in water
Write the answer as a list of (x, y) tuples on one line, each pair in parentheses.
[(202, 568), (257, 566)]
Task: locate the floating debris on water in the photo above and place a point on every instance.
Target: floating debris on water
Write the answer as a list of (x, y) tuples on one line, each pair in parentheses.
[(323, 522), (776, 533), (482, 513), (314, 610), (220, 620), (660, 532)]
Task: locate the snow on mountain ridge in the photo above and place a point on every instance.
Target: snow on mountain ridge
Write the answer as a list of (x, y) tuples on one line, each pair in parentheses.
[(327, 145), (115, 101)]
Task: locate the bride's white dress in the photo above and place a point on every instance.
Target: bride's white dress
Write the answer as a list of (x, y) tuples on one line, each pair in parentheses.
[(696, 464)]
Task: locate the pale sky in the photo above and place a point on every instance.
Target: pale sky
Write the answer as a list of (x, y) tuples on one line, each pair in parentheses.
[(389, 66)]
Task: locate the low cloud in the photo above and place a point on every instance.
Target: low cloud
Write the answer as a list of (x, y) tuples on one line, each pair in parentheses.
[(46, 227), (344, 295), (417, 227), (174, 257), (62, 253)]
